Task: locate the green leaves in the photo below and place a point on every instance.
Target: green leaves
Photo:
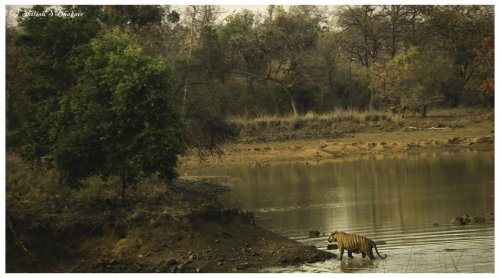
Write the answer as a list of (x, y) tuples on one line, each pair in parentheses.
[(126, 95), (114, 119)]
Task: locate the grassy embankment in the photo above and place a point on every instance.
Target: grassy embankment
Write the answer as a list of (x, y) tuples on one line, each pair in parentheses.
[(348, 134)]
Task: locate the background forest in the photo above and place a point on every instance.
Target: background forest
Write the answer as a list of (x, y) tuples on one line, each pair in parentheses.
[(121, 90), (294, 60)]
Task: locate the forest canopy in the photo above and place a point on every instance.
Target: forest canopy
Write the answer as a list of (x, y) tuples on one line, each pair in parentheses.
[(122, 90)]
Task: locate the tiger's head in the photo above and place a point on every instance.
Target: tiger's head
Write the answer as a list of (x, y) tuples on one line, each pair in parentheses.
[(333, 237)]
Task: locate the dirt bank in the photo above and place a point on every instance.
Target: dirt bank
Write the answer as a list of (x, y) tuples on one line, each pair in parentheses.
[(182, 229), (309, 144), (223, 242)]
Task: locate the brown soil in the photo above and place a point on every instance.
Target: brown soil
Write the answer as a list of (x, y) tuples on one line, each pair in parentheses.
[(219, 244), (414, 134), (149, 235)]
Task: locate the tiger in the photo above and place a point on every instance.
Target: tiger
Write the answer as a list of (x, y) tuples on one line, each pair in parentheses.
[(354, 244)]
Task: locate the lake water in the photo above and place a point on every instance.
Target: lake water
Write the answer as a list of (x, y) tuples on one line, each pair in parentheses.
[(405, 200)]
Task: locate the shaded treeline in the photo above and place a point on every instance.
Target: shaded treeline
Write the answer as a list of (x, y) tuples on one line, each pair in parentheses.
[(122, 90)]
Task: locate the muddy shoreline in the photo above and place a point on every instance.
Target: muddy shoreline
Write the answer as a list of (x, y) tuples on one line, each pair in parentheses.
[(415, 135)]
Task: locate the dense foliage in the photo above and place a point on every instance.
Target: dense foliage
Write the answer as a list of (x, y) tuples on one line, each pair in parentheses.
[(122, 90)]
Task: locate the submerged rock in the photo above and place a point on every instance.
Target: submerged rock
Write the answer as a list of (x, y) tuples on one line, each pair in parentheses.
[(332, 247), (458, 220), (478, 220), (314, 233), (466, 218)]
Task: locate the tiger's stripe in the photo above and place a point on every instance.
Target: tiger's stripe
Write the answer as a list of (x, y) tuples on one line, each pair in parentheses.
[(354, 244)]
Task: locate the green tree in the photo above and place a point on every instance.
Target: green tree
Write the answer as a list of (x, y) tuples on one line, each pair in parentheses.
[(460, 30), (411, 79), (54, 47), (277, 51), (485, 54), (16, 81), (118, 120)]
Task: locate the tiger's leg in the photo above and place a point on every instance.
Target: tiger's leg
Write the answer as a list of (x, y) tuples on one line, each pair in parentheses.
[(341, 252), (370, 254), (349, 254), (363, 254)]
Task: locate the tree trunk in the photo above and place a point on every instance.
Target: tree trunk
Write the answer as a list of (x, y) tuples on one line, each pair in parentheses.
[(293, 102), (372, 95), (423, 112), (184, 96), (123, 185)]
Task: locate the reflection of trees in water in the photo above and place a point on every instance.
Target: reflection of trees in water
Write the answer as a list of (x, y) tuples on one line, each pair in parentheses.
[(367, 193), (419, 188)]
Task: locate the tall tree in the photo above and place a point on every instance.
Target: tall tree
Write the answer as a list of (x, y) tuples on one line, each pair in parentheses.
[(363, 27), (55, 48), (118, 120), (460, 30)]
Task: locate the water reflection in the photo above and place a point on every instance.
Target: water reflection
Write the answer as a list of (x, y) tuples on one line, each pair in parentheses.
[(353, 265), (406, 200), (407, 190)]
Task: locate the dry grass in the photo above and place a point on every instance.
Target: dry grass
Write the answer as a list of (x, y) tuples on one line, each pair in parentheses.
[(360, 117), (331, 117)]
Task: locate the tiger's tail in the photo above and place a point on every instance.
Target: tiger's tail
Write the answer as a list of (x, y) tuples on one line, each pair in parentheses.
[(376, 250)]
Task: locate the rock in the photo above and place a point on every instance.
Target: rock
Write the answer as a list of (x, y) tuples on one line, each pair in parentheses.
[(459, 220), (242, 266), (454, 140), (478, 220), (380, 242), (220, 263), (255, 254), (171, 262), (138, 267), (180, 267), (314, 233), (332, 247), (466, 218)]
